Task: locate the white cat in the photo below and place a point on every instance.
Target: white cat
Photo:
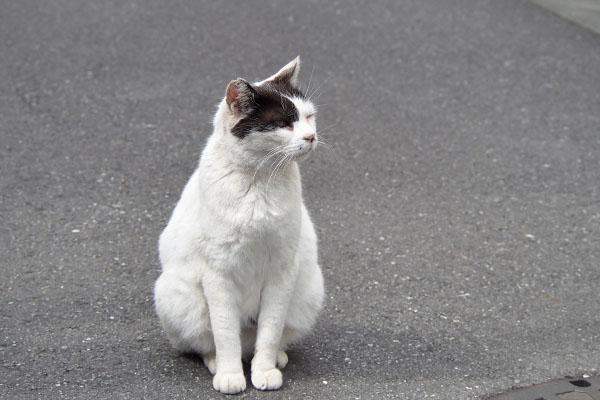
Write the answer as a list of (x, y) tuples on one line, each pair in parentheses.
[(239, 256)]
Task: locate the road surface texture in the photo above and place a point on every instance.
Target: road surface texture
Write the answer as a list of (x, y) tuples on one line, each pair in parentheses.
[(458, 206)]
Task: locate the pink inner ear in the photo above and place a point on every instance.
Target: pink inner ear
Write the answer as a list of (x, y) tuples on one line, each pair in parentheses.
[(231, 94)]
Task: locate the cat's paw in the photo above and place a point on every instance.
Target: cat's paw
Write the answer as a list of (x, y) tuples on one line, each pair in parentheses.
[(210, 361), (229, 382), (270, 379), (282, 359)]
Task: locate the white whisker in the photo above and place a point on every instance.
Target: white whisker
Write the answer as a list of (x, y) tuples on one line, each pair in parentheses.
[(319, 95), (310, 97), (273, 174), (327, 127), (328, 148), (330, 133), (323, 143), (310, 80), (270, 154)]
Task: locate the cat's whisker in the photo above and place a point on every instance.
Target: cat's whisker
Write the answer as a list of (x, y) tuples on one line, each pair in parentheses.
[(323, 139), (275, 150), (282, 166), (310, 80), (331, 151), (270, 154), (326, 131), (324, 142), (317, 89), (328, 126), (275, 164), (288, 162), (316, 98), (310, 96), (273, 174), (330, 133)]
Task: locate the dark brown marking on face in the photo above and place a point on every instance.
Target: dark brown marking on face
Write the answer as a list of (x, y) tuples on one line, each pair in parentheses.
[(270, 110)]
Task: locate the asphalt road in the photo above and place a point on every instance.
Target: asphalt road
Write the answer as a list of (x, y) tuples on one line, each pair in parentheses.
[(458, 206)]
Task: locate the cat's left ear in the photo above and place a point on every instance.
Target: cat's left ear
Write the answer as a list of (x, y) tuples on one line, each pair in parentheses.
[(287, 75), (240, 96)]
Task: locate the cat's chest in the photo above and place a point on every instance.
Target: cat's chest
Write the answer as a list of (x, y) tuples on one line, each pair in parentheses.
[(263, 229), (262, 211), (250, 224), (267, 212)]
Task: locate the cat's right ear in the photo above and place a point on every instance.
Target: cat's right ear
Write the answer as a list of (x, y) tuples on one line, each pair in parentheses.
[(240, 96)]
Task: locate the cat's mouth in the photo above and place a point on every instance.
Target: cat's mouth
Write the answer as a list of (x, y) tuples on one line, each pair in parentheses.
[(303, 150)]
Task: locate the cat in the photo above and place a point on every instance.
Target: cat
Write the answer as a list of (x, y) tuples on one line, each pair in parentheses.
[(240, 277)]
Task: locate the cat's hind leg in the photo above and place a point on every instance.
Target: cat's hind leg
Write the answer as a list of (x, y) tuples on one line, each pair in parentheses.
[(282, 359), (305, 305), (210, 360), (183, 312)]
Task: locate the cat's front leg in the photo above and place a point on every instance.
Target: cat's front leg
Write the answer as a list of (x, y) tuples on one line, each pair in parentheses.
[(225, 322), (274, 304)]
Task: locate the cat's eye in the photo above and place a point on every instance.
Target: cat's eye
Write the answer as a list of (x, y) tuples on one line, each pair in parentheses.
[(285, 124), (309, 116)]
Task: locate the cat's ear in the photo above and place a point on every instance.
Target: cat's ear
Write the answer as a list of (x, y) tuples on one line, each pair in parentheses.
[(240, 96), (287, 75)]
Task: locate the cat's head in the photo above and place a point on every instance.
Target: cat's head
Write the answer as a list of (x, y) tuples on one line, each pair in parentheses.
[(271, 117)]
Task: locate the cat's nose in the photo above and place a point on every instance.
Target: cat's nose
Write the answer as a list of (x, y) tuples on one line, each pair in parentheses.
[(310, 137)]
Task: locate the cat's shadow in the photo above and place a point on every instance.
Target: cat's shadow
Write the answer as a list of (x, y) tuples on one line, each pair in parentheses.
[(335, 352), (195, 358)]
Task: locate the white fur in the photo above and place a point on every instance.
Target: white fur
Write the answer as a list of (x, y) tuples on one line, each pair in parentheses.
[(239, 254)]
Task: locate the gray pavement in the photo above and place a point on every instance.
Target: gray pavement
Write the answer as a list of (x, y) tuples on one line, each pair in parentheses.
[(458, 209)]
